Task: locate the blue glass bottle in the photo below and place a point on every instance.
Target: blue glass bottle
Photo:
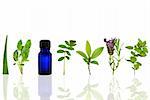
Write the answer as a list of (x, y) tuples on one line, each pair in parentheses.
[(45, 58)]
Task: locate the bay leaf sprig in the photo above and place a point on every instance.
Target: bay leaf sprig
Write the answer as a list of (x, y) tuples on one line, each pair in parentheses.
[(65, 50), (21, 54), (89, 57), (137, 51)]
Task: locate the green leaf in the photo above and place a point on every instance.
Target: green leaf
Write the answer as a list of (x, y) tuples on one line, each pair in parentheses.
[(68, 53), (133, 53), (67, 57), (145, 50), (15, 55), (85, 60), (28, 44), (60, 51), (70, 48), (138, 49), (82, 54), (25, 54), (62, 46), (97, 52), (117, 43), (67, 43), (94, 62), (19, 45), (129, 47), (5, 63), (142, 54), (133, 59), (72, 42), (137, 65), (88, 48), (61, 58)]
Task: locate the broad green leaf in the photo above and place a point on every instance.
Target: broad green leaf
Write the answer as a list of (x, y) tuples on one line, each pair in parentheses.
[(88, 48), (19, 45), (129, 47), (82, 54), (60, 51), (95, 62), (62, 46), (97, 52), (15, 55), (61, 58), (133, 59), (28, 44)]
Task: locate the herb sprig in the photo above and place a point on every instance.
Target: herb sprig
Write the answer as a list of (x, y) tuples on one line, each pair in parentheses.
[(89, 57), (20, 55), (114, 51), (138, 50), (65, 49)]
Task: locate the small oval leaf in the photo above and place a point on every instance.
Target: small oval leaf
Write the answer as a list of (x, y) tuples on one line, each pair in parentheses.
[(61, 58), (129, 47), (95, 62), (15, 55), (19, 45), (60, 51)]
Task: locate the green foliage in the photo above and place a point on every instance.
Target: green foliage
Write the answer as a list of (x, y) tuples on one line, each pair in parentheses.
[(65, 50), (5, 63), (20, 55), (138, 50), (89, 57)]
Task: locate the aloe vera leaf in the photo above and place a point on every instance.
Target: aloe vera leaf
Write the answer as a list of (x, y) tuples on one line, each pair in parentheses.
[(5, 64)]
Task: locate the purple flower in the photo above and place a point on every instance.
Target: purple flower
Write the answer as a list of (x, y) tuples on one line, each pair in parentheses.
[(110, 46)]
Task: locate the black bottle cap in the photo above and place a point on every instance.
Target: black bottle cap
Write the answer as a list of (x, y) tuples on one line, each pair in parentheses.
[(45, 44)]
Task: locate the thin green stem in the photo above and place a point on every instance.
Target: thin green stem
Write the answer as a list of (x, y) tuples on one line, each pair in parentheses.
[(64, 65), (89, 69)]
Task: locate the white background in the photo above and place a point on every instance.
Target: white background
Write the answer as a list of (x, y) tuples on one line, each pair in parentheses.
[(59, 20)]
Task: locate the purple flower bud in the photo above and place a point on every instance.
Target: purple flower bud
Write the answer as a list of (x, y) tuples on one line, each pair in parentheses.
[(110, 46)]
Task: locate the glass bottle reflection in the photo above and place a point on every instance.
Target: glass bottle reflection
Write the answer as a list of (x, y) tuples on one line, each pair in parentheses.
[(114, 90), (64, 91), (136, 93), (45, 87), (90, 92), (5, 85), (20, 90)]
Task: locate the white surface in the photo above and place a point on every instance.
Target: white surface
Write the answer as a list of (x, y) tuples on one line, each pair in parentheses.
[(59, 20)]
